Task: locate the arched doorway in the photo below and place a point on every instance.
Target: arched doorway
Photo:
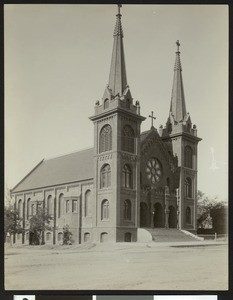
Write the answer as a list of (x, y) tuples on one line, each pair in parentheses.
[(158, 215), (172, 218), (143, 215), (33, 238)]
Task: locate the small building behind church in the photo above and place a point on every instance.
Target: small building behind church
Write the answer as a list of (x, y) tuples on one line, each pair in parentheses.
[(128, 180)]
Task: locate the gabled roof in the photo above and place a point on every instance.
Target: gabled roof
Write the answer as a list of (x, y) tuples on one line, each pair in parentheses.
[(144, 134), (73, 167), (59, 170)]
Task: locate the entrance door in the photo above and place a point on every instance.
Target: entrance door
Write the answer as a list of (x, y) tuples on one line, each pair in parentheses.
[(33, 239), (128, 237), (143, 215), (158, 215), (172, 223)]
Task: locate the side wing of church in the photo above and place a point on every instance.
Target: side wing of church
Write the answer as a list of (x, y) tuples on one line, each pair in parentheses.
[(129, 179)]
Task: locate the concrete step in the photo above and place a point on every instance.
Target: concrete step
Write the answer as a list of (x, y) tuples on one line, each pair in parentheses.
[(169, 235)]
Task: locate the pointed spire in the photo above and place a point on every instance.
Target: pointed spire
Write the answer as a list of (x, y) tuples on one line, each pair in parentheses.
[(117, 77), (178, 108)]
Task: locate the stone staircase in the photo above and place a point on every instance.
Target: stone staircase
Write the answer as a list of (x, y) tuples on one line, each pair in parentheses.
[(161, 235)]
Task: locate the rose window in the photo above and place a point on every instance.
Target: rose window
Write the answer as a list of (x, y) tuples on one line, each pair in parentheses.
[(154, 170)]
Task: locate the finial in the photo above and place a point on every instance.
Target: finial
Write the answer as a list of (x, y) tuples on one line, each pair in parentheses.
[(178, 45), (119, 8)]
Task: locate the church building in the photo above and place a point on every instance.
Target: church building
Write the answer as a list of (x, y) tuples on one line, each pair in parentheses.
[(128, 180)]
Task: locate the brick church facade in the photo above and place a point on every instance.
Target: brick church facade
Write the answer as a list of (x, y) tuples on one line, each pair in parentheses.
[(128, 180)]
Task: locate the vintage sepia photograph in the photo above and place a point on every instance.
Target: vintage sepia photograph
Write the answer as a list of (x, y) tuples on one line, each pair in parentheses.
[(116, 147)]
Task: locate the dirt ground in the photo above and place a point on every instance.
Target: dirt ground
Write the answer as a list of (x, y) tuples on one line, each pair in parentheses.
[(116, 267)]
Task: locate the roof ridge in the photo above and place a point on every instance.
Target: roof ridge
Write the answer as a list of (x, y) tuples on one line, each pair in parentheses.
[(65, 154), (146, 131)]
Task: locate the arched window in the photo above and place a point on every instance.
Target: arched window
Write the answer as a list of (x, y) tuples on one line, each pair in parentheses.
[(188, 157), (60, 202), (67, 206), (48, 236), (28, 208), (33, 209), (20, 208), (87, 204), (127, 104), (49, 205), (127, 177), (106, 103), (128, 139), (74, 206), (105, 210), (105, 176), (87, 237), (105, 143), (188, 187), (60, 236), (103, 237), (127, 210), (188, 215)]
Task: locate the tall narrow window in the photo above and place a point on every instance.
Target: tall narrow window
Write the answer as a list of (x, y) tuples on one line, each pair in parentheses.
[(20, 208), (60, 236), (128, 139), (105, 210), (105, 176), (127, 177), (87, 204), (33, 209), (127, 210), (74, 206), (49, 205), (67, 206), (48, 236), (188, 215), (60, 202), (106, 103), (127, 103), (188, 187), (28, 208), (188, 157), (105, 143)]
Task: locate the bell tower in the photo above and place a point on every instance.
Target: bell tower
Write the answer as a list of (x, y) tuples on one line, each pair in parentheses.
[(117, 123), (182, 138)]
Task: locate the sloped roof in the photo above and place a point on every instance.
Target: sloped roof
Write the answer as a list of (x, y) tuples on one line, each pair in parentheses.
[(67, 168), (144, 134), (59, 170)]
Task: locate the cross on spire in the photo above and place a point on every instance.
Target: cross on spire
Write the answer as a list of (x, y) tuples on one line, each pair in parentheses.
[(152, 119), (119, 8), (178, 45)]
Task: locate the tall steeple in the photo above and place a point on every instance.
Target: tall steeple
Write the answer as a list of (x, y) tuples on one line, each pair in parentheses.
[(178, 108), (117, 77)]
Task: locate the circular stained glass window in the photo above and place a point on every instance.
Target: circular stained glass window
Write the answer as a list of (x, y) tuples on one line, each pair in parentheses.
[(154, 170)]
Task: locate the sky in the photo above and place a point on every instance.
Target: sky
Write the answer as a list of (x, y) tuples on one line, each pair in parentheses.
[(57, 63)]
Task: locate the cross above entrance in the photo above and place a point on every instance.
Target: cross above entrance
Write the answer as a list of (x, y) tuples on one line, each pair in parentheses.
[(152, 118)]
